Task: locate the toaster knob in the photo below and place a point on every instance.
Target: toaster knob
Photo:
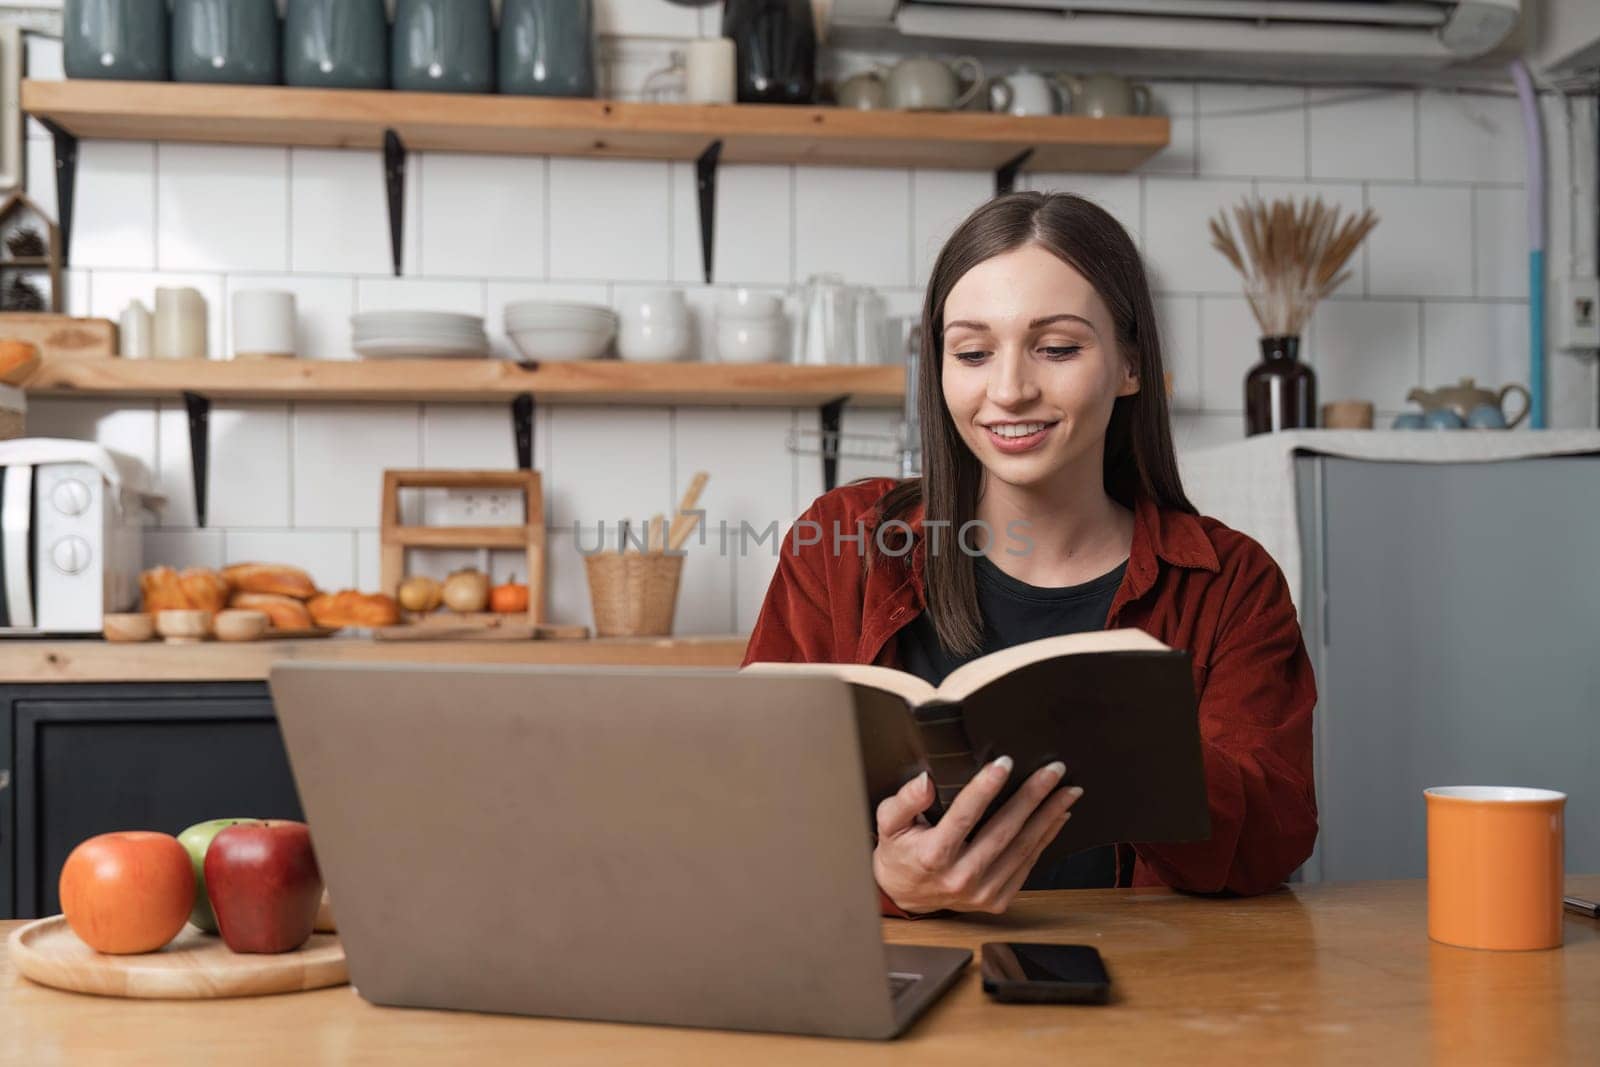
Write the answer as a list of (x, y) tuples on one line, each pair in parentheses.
[(70, 496), (70, 555)]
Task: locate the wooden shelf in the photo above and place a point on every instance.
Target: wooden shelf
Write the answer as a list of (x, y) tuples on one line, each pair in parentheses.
[(750, 133), (609, 381)]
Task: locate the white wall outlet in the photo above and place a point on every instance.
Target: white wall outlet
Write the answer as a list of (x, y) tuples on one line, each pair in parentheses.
[(484, 507), (1577, 314)]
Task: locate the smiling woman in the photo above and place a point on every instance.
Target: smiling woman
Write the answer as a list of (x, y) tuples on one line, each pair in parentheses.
[(1043, 416)]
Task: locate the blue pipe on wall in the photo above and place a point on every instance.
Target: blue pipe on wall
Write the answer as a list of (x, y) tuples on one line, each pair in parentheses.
[(1533, 137)]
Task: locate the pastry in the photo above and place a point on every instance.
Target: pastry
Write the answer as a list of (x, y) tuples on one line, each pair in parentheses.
[(204, 589), (162, 590), (286, 612), (277, 578), (352, 608)]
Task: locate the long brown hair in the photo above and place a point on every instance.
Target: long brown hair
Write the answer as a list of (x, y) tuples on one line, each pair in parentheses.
[(1139, 459)]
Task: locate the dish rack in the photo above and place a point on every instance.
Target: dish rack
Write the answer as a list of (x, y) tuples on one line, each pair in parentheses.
[(902, 445)]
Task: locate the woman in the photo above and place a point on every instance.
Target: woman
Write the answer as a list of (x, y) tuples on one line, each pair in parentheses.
[(1044, 416)]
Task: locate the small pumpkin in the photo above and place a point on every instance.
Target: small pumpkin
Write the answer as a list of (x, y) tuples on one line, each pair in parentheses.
[(510, 598)]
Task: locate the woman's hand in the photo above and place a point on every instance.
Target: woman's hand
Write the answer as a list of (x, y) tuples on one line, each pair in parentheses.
[(927, 868)]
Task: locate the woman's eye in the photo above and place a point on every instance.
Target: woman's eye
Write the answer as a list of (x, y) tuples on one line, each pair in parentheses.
[(1061, 351), (971, 356)]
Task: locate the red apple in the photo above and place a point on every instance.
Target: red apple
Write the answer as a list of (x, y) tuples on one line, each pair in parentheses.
[(264, 885)]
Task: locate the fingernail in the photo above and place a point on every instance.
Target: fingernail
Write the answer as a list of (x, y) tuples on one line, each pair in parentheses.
[(1057, 770), (1075, 792), (1004, 763), (920, 779)]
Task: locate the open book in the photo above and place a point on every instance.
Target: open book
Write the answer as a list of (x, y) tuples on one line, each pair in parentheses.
[(1116, 706)]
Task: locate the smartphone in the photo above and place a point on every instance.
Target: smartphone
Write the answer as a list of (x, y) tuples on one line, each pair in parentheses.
[(1025, 973)]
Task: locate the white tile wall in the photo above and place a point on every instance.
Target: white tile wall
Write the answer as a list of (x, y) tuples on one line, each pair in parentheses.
[(222, 207), (1438, 293)]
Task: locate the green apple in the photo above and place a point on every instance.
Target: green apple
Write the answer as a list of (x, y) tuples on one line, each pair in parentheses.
[(195, 840)]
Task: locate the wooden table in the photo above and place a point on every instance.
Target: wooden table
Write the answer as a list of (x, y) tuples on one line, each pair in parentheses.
[(222, 661), (1316, 974)]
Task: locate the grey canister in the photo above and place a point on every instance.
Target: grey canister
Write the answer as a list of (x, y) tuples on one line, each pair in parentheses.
[(231, 41), (336, 44), (443, 46), (122, 39), (547, 47)]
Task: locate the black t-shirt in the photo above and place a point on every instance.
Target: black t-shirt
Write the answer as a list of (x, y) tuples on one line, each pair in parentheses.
[(1015, 612)]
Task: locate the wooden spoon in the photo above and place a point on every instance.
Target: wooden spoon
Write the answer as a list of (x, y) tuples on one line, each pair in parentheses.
[(684, 522)]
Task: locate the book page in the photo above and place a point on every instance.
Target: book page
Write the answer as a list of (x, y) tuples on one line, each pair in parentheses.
[(906, 686), (970, 677)]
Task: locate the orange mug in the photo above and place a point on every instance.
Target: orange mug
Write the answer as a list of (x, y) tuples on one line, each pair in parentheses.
[(1495, 866)]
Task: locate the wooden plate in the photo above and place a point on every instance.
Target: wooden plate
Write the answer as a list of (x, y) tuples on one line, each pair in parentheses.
[(194, 966)]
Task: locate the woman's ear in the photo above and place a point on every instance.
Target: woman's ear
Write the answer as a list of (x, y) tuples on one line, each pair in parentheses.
[(1130, 379)]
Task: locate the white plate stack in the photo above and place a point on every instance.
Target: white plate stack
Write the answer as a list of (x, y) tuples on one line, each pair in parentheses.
[(418, 335)]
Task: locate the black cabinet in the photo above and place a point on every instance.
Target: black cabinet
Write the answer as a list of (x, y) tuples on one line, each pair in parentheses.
[(86, 759)]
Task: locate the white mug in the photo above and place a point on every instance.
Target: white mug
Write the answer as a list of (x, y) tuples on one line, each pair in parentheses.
[(180, 331), (708, 66), (263, 323)]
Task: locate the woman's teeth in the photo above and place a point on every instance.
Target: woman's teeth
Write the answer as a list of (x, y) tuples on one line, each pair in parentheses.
[(1019, 429)]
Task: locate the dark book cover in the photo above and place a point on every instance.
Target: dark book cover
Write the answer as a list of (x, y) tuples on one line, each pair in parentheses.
[(1124, 723)]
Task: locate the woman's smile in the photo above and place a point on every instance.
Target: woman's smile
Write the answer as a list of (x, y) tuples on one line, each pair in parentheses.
[(1012, 437)]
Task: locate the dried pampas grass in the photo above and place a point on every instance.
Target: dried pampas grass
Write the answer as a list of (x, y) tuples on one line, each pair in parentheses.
[(1293, 256)]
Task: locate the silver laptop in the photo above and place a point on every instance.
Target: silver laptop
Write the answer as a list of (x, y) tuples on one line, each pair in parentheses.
[(676, 846)]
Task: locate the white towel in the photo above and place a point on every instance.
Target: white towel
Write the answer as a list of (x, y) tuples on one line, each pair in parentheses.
[(1249, 484)]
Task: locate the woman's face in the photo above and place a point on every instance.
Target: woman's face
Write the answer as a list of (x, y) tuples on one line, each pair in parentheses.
[(1031, 367)]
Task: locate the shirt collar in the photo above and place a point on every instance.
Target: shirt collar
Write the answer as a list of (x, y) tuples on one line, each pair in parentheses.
[(1172, 537)]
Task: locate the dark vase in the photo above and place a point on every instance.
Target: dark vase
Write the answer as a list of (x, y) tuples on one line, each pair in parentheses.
[(776, 45), (1280, 392)]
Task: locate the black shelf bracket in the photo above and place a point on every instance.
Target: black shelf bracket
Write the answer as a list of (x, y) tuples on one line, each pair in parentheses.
[(1005, 178), (522, 412), (394, 181), (199, 408), (830, 416), (705, 179), (66, 145)]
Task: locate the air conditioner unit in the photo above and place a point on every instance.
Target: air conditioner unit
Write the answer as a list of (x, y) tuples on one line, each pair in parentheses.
[(1287, 34)]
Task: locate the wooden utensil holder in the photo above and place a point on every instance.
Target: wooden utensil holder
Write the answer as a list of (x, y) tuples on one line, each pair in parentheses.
[(395, 537), (634, 594)]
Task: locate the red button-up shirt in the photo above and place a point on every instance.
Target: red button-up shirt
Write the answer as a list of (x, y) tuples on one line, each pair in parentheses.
[(1191, 582)]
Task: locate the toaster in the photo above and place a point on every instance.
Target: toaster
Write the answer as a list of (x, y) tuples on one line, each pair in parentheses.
[(71, 518)]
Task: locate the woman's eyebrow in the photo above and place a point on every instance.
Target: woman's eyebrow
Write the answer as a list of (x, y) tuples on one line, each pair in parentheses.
[(1065, 316)]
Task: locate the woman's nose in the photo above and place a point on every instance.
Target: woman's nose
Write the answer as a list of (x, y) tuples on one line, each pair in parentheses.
[(1011, 379)]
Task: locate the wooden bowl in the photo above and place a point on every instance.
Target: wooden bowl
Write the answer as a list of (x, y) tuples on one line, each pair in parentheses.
[(183, 627), (133, 626), (239, 624)]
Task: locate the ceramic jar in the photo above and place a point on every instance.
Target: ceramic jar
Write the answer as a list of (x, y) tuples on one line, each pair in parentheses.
[(336, 44), (233, 42), (547, 47), (122, 39), (443, 46)]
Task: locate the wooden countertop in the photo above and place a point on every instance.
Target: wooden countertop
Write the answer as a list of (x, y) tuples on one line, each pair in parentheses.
[(1334, 973), (103, 661)]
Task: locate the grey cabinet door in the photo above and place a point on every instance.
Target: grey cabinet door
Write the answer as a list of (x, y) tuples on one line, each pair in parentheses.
[(135, 760), (1460, 645)]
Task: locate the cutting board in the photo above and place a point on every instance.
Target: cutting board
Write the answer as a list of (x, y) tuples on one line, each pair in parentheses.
[(480, 626), (194, 966), (61, 336)]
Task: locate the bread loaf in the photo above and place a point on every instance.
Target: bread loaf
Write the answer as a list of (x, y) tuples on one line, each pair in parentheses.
[(204, 589), (352, 608), (285, 612), (162, 590), (277, 578)]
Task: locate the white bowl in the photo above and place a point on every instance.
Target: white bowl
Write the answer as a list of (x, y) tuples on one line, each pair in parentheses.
[(556, 311), (552, 344), (752, 341), (560, 317), (747, 304), (652, 342)]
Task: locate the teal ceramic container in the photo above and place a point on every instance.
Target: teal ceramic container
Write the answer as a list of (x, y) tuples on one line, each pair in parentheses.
[(227, 41), (121, 39), (443, 46), (336, 44), (547, 47)]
